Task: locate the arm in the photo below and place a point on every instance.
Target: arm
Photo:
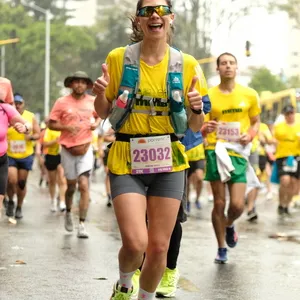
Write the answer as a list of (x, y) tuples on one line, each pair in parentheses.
[(96, 124), (50, 143), (35, 131), (195, 120), (102, 104), (58, 126), (21, 125), (246, 138), (195, 113)]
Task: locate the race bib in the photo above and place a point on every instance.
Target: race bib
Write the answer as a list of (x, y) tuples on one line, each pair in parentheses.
[(229, 131), (151, 155), (17, 146)]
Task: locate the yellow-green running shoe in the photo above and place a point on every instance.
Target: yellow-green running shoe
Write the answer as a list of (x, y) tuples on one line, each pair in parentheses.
[(168, 284), (121, 293)]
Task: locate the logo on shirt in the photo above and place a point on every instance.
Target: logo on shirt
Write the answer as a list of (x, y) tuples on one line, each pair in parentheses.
[(231, 111)]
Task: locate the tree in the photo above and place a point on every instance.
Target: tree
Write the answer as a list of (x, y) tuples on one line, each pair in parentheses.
[(25, 66), (264, 80), (60, 12), (292, 7)]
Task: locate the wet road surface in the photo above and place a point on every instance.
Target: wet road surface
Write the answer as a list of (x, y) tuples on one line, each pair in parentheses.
[(39, 260)]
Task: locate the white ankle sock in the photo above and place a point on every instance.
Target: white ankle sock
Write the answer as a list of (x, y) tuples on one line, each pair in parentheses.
[(125, 279), (143, 295)]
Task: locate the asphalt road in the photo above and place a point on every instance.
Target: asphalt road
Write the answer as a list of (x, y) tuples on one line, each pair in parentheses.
[(39, 260)]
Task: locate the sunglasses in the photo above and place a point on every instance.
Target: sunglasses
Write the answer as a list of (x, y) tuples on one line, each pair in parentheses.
[(147, 11)]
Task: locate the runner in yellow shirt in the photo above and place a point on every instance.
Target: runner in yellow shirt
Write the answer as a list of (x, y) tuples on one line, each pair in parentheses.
[(195, 173), (20, 158), (147, 153), (234, 118), (55, 169), (287, 134), (266, 156)]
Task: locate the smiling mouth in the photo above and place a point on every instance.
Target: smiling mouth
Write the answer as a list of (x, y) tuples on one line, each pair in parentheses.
[(155, 26)]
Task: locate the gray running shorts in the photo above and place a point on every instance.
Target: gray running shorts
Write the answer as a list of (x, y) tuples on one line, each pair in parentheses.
[(167, 185)]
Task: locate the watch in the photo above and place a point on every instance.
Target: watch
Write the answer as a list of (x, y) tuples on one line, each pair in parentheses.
[(197, 112)]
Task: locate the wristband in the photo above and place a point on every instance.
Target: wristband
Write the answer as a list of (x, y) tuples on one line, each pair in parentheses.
[(197, 112)]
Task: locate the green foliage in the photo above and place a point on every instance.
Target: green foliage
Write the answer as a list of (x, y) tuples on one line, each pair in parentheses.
[(60, 12), (292, 7), (293, 82), (25, 63), (264, 80)]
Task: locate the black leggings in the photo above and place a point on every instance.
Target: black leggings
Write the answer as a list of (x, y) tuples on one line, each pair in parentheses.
[(3, 173), (174, 247)]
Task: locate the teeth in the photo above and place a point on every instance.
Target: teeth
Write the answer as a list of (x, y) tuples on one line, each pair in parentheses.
[(155, 25)]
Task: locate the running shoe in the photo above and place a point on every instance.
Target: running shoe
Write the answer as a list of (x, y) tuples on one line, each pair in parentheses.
[(168, 285), (10, 208), (121, 293), (198, 204), (53, 206), (188, 207), (221, 256), (231, 237), (82, 233), (18, 214), (68, 222), (252, 215), (62, 206)]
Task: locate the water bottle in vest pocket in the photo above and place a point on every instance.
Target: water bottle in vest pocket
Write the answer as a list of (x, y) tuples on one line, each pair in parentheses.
[(119, 111), (178, 113)]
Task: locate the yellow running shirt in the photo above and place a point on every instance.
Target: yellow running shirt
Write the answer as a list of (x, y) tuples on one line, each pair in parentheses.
[(152, 83), (265, 131), (18, 147), (238, 106), (52, 135), (288, 138)]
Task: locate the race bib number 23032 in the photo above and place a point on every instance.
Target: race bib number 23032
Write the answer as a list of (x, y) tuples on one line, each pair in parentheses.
[(151, 155)]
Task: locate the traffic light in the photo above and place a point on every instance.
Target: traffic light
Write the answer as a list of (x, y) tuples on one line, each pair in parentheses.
[(248, 44)]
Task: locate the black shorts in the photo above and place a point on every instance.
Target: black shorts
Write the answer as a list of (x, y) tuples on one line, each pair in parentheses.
[(3, 173), (52, 162), (281, 163), (262, 162), (196, 165)]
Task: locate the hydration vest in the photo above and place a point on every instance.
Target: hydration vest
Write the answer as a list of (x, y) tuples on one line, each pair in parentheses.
[(174, 81)]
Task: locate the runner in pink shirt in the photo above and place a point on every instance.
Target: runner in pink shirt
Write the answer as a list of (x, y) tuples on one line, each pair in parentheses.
[(8, 116), (75, 117)]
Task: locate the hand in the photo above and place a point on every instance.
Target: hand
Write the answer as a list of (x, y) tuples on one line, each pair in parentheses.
[(193, 95), (211, 126), (94, 126), (245, 139), (102, 82), (21, 128)]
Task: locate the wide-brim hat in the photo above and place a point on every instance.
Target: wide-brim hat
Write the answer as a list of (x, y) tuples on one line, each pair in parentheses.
[(78, 75)]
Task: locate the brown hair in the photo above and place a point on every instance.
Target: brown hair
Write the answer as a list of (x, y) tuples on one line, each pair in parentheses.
[(137, 34), (225, 53)]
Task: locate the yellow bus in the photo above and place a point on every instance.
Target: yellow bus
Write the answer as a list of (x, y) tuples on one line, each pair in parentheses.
[(273, 103)]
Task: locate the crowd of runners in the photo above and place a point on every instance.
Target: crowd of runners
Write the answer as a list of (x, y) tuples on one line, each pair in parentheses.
[(158, 133)]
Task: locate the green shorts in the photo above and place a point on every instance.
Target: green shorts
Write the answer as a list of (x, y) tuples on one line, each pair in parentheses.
[(238, 175)]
